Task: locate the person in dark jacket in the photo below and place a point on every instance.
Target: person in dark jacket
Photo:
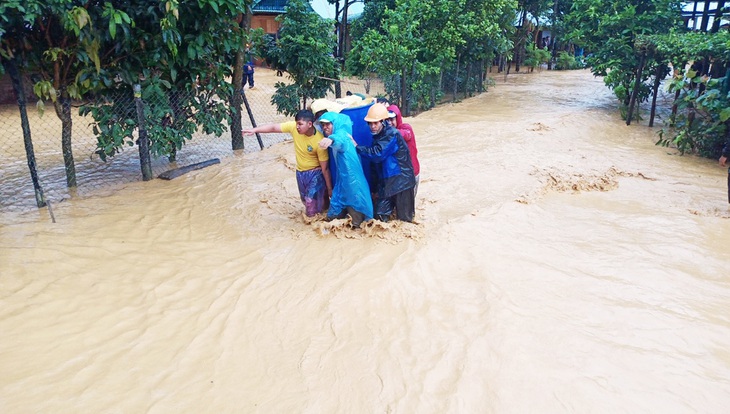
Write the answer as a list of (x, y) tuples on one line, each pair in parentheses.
[(406, 131), (388, 153)]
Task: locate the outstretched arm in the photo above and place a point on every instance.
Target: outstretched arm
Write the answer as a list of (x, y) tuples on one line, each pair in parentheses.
[(263, 129)]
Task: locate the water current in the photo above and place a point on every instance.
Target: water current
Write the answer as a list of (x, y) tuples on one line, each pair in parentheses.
[(560, 263)]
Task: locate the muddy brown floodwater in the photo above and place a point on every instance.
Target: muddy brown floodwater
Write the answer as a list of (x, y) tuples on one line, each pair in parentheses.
[(561, 263)]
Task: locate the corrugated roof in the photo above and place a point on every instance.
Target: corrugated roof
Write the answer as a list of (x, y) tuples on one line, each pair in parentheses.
[(273, 6)]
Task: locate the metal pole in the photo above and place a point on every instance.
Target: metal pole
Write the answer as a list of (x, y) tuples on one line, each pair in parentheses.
[(250, 116)]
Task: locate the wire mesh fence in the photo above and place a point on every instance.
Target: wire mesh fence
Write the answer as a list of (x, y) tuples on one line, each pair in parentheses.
[(100, 172)]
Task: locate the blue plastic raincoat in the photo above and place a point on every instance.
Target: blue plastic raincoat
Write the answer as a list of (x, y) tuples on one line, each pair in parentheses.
[(351, 188)]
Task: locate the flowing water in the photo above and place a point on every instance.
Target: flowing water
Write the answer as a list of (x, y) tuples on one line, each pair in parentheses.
[(561, 263)]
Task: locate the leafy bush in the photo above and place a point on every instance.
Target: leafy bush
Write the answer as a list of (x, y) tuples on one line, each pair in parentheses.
[(703, 114), (536, 56), (566, 61), (170, 117), (286, 98)]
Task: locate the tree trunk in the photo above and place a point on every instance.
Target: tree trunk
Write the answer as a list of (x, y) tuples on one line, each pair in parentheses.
[(456, 77), (63, 111), (480, 85), (635, 92), (704, 71), (237, 98), (345, 31), (655, 92), (466, 82), (342, 43), (520, 46), (145, 163), (235, 105), (552, 35), (338, 28), (553, 53), (17, 81), (338, 89), (403, 92), (675, 107)]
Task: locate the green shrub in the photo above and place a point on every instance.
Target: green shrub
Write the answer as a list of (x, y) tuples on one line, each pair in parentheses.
[(566, 61), (536, 56), (702, 116)]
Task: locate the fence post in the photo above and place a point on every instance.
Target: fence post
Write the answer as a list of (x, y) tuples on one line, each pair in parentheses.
[(144, 145), (250, 115)]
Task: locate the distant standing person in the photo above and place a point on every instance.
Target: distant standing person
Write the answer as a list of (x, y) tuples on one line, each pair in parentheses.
[(394, 179), (409, 136), (351, 193), (723, 163), (247, 75), (313, 175)]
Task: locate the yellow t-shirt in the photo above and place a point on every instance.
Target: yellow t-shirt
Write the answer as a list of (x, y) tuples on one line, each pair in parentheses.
[(306, 148)]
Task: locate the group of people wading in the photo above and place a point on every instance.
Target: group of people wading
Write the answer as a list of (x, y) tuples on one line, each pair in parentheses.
[(329, 162)]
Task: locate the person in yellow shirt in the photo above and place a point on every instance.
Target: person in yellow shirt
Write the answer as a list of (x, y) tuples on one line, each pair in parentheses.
[(313, 175)]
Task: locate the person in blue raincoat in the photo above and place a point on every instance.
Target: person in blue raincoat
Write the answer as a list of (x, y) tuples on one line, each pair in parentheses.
[(351, 193)]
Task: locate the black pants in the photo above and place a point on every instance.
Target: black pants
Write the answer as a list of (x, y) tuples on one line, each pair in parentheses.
[(356, 216), (247, 77), (404, 204)]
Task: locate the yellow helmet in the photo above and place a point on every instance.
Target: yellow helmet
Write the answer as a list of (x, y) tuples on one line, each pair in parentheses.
[(377, 112)]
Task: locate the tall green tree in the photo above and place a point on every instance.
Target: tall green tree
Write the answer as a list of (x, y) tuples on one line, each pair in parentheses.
[(56, 42), (391, 51), (417, 42), (609, 30), (342, 26), (15, 19), (182, 54), (700, 121), (305, 49), (531, 13)]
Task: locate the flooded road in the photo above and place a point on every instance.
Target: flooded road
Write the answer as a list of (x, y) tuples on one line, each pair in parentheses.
[(561, 263)]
